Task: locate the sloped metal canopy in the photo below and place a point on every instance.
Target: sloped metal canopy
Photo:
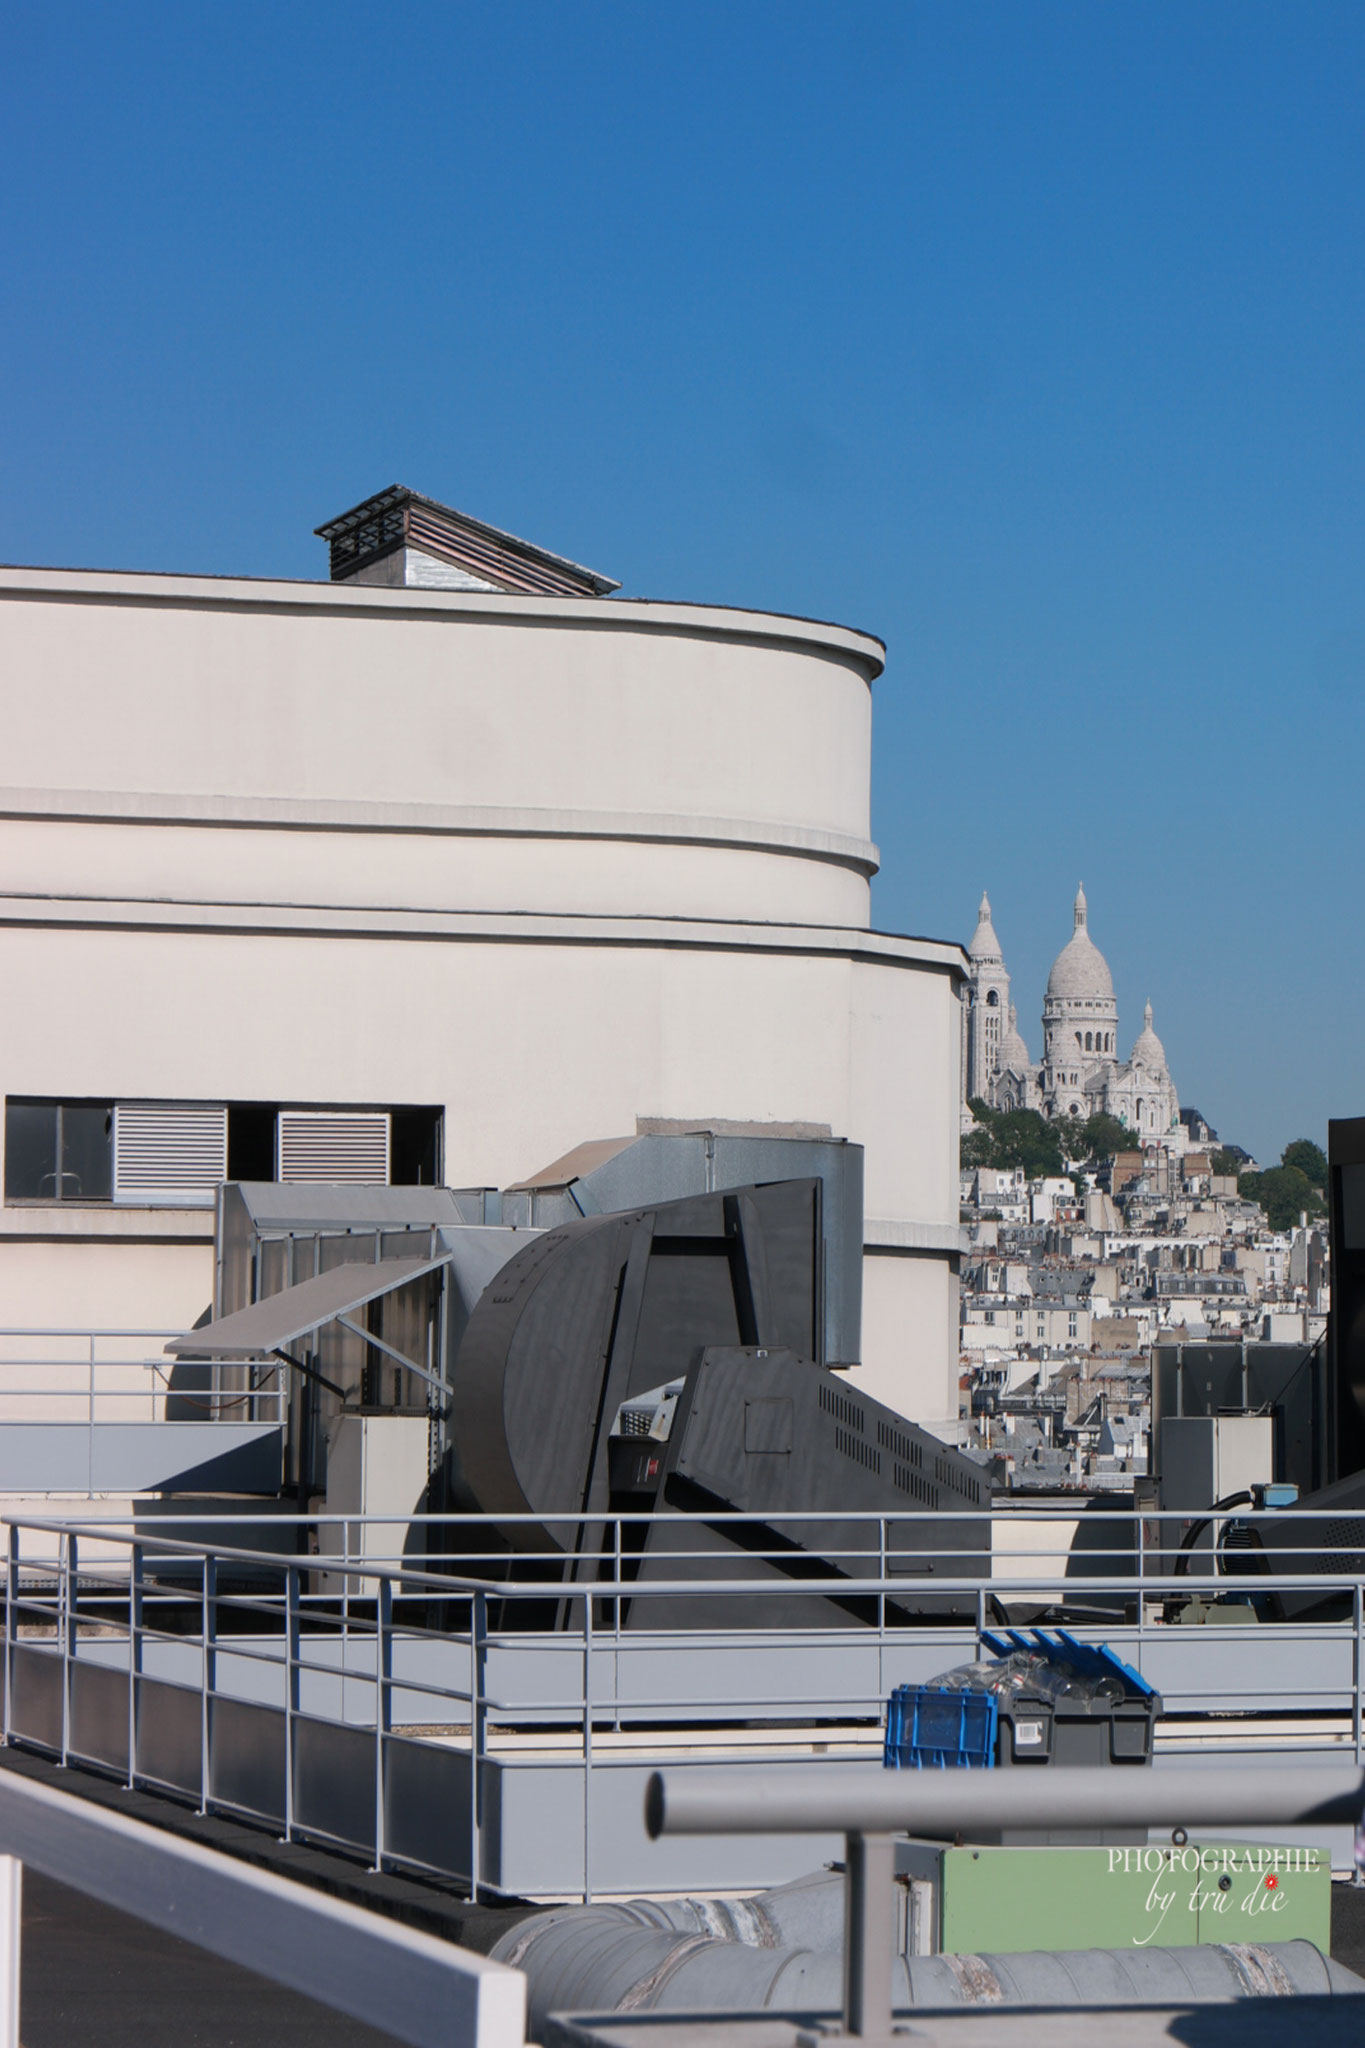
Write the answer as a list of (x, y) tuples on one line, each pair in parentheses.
[(267, 1326)]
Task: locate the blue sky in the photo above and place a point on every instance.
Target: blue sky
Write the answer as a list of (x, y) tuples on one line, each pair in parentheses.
[(1027, 336)]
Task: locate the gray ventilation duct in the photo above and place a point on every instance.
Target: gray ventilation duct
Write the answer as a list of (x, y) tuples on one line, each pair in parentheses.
[(780, 1952)]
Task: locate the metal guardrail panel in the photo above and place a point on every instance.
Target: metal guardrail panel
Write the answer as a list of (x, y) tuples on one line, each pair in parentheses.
[(35, 1705), (98, 1725), (139, 1457), (247, 1760), (333, 1780), (169, 1736)]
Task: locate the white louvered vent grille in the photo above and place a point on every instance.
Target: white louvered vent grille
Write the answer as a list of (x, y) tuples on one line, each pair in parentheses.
[(169, 1152), (335, 1146)]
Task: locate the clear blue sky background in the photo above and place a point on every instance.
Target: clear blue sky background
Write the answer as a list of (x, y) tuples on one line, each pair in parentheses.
[(1027, 335)]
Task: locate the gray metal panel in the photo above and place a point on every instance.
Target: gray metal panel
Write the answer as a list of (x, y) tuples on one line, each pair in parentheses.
[(99, 1715), (426, 1805), (246, 1758), (169, 1738), (537, 1842), (268, 1325), (282, 1205), (476, 1253), (36, 1708), (236, 1457), (820, 1673), (45, 1457), (138, 1457), (334, 1781), (668, 1168)]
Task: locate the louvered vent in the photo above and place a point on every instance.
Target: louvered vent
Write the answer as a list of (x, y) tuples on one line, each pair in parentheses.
[(331, 1145), (169, 1152)]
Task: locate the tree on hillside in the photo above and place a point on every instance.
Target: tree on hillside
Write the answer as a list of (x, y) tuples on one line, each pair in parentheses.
[(1106, 1136), (1226, 1164), (1285, 1193), (1071, 1137), (1007, 1138), (978, 1147), (1309, 1158), (1096, 1137)]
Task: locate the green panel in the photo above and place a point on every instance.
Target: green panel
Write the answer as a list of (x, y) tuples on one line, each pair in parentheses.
[(1008, 1900)]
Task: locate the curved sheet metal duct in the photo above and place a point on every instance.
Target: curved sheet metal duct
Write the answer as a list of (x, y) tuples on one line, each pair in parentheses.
[(780, 1951)]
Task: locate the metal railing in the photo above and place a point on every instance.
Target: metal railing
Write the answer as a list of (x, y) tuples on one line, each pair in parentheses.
[(951, 1805), (364, 1697), (413, 1986), (104, 1376)]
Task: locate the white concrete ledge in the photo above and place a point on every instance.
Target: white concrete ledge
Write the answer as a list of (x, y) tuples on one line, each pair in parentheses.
[(123, 1222), (846, 942), (298, 814), (886, 1235), (87, 586)]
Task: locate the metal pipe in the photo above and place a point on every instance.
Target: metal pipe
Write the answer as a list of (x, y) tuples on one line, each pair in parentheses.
[(869, 1934), (946, 1804)]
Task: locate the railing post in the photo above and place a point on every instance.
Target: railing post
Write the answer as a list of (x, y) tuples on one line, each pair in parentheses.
[(1356, 1661), (134, 1656), (208, 1673), (478, 1637), (11, 1900), (68, 1612), (383, 1708), (11, 1613), (616, 1630), (291, 1692), (587, 1748), (90, 1433), (869, 1934)]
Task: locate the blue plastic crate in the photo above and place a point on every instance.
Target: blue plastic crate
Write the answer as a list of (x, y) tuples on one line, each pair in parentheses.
[(929, 1728), (1091, 1660)]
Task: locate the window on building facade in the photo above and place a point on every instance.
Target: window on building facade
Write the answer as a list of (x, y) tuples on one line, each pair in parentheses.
[(176, 1153), (58, 1151)]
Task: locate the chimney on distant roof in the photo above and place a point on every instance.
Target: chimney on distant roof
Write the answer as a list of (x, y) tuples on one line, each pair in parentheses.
[(403, 540)]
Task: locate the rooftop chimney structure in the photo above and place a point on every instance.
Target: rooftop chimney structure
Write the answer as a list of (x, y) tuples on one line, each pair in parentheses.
[(405, 541)]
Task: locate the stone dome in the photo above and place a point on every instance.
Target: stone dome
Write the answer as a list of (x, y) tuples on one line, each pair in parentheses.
[(1080, 973), (985, 945), (1147, 1047)]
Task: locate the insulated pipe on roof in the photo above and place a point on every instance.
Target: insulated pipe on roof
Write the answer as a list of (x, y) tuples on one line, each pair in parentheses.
[(620, 1958), (944, 1805)]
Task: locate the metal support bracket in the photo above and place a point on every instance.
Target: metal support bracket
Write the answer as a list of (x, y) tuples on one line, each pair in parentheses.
[(408, 1365)]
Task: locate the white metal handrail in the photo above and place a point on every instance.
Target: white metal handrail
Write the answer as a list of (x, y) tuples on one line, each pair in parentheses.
[(426, 1992)]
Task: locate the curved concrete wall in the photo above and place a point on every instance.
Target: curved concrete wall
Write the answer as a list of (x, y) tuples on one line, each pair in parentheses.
[(554, 864)]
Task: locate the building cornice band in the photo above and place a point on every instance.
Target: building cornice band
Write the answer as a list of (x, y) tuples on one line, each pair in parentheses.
[(482, 821), (330, 921)]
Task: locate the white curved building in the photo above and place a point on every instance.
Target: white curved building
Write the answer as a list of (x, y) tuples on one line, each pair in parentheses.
[(468, 874)]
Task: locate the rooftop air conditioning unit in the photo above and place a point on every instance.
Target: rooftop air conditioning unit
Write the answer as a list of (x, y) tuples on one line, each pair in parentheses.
[(340, 1147)]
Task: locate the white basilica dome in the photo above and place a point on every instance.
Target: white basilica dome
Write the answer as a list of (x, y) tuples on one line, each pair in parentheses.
[(1080, 973), (1147, 1047)]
